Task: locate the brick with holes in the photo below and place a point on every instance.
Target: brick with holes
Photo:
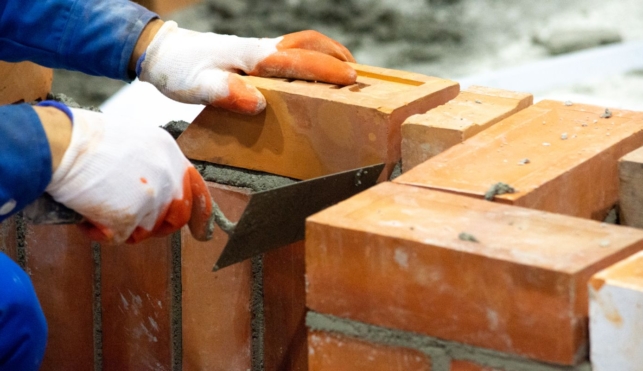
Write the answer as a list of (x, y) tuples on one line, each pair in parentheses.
[(312, 129)]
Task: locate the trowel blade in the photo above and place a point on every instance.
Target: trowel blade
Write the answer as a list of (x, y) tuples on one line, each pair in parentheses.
[(277, 217)]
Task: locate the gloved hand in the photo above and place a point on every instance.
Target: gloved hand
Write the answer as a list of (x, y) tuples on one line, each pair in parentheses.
[(201, 68), (128, 181)]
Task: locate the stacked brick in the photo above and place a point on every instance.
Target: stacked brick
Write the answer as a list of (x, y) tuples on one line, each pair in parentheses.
[(415, 274)]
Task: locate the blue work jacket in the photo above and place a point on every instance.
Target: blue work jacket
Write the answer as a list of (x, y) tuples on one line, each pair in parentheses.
[(96, 37)]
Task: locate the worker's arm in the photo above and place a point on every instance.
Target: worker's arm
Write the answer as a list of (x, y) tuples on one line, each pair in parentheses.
[(128, 181), (93, 36)]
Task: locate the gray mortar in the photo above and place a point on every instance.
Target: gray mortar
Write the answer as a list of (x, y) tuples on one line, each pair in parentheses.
[(70, 102), (498, 189), (440, 351), (176, 307), (176, 128), (257, 324), (21, 235), (397, 171), (255, 180), (98, 309)]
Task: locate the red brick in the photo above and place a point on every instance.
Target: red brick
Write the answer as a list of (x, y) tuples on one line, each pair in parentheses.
[(631, 188), (61, 265), (469, 366), (331, 352), (24, 81), (431, 133), (165, 7), (216, 305), (8, 240), (577, 176), (284, 287), (313, 129), (392, 256), (136, 305)]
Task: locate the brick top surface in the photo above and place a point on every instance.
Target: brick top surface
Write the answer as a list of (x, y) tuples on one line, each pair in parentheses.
[(553, 136), (634, 156), (626, 273), (508, 233)]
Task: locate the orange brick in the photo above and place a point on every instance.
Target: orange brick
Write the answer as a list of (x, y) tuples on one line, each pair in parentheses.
[(8, 241), (24, 82), (216, 305), (331, 352), (313, 129), (164, 7), (631, 188), (392, 256), (428, 134), (284, 304), (60, 262), (136, 305), (469, 366), (575, 176)]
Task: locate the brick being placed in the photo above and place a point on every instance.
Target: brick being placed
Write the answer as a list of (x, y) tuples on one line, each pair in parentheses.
[(550, 156), (616, 316), (494, 276), (313, 129), (473, 110), (630, 169)]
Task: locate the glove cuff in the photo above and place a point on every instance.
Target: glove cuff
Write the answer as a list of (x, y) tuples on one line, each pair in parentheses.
[(60, 106)]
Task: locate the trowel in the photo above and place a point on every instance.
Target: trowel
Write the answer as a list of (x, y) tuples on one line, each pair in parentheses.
[(272, 219)]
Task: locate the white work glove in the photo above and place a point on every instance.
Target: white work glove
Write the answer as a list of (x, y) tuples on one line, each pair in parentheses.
[(202, 68), (129, 182)]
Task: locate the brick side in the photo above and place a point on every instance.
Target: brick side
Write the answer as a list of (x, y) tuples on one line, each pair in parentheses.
[(392, 256), (312, 129), (24, 82), (616, 319), (332, 352), (428, 134), (284, 288), (631, 188), (136, 304), (216, 305), (575, 176), (60, 262)]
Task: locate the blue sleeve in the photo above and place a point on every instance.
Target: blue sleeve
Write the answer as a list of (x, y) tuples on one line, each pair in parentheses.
[(96, 37), (25, 158)]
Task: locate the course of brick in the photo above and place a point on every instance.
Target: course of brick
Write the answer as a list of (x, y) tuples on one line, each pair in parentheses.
[(616, 299), (461, 269), (473, 110), (312, 129), (557, 157)]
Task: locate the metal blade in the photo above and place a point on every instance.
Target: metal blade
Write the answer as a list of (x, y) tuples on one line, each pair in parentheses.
[(277, 217)]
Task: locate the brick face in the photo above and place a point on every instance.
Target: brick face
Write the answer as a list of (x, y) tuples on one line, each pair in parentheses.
[(576, 176), (631, 188), (8, 241), (136, 305), (392, 256), (431, 133), (284, 289), (313, 129), (216, 305), (331, 352), (60, 263)]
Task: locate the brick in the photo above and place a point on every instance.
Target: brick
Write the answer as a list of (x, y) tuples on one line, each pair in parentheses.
[(392, 256), (577, 176), (630, 169), (60, 262), (428, 134), (8, 238), (216, 305), (164, 7), (284, 293), (24, 81), (457, 365), (136, 305), (616, 319), (313, 129), (332, 352)]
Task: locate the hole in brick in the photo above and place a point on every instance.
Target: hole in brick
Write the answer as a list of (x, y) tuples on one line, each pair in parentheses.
[(357, 87)]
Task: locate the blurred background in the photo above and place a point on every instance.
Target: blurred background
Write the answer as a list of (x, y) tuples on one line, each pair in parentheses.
[(589, 51)]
